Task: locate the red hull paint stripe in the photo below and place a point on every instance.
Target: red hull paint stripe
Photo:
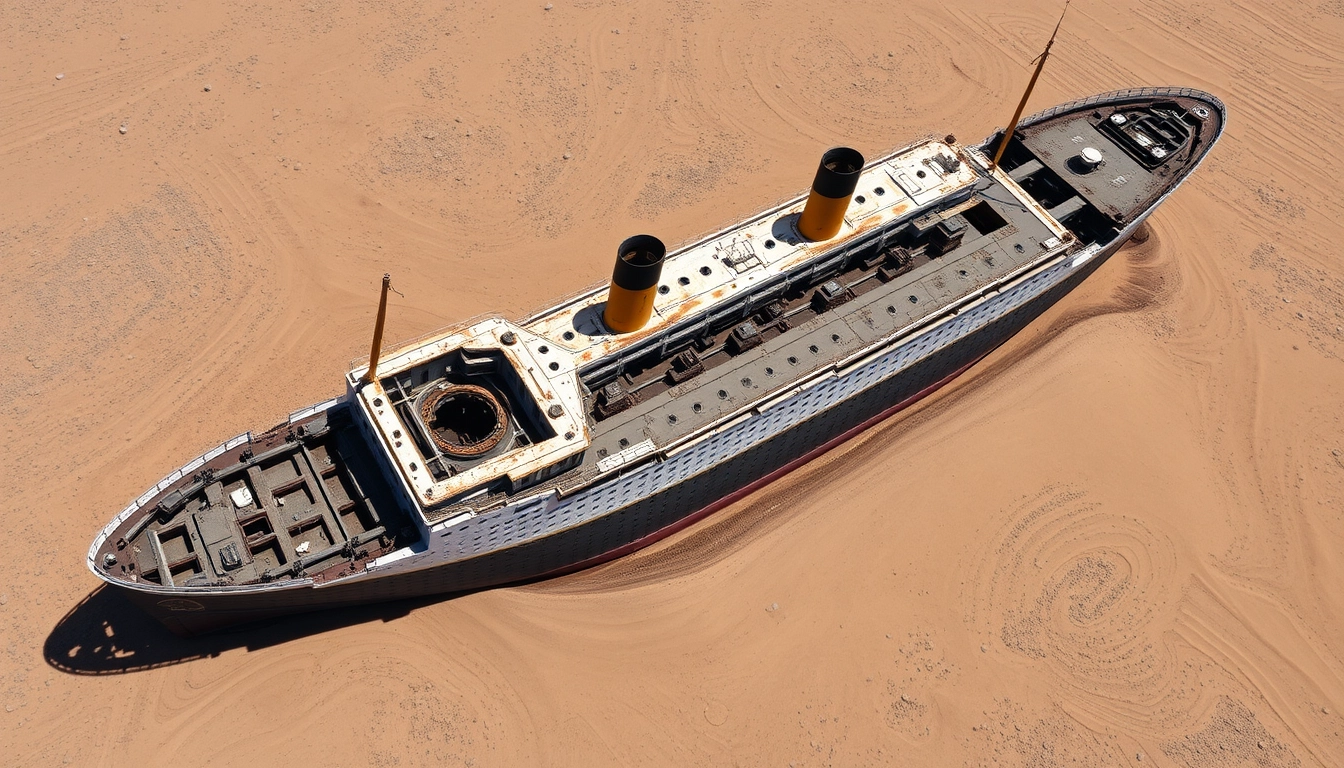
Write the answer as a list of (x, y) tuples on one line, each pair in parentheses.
[(753, 486)]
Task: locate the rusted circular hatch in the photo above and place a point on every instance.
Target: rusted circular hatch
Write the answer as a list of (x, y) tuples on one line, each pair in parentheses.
[(464, 420)]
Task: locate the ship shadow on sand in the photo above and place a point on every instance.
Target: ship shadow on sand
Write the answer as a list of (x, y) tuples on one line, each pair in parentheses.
[(106, 634)]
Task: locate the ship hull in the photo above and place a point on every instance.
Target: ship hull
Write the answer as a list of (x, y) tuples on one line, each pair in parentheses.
[(702, 480), (633, 491)]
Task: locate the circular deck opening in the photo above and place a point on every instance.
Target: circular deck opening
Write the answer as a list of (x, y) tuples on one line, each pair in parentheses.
[(464, 419)]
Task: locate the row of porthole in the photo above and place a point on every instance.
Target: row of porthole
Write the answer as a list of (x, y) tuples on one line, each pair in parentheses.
[(543, 349), (684, 281), (723, 394), (878, 191)]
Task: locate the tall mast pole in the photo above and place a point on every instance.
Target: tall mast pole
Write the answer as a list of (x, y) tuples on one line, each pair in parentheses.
[(372, 374), (1040, 64)]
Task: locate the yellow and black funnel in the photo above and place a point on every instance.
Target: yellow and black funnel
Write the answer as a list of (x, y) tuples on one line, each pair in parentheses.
[(837, 176), (634, 283)]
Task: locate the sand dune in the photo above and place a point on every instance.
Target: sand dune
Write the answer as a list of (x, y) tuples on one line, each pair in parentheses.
[(1119, 540)]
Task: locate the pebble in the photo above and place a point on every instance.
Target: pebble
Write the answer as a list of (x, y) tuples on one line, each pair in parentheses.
[(548, 7), (1138, 756), (984, 649), (430, 135), (123, 129), (773, 607), (1301, 316), (60, 76), (123, 37), (1335, 452), (1259, 745), (298, 166), (207, 88), (1325, 710), (9, 707), (566, 156), (4, 599)]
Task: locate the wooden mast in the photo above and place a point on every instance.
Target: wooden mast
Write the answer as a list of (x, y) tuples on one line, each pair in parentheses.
[(372, 374), (1040, 64)]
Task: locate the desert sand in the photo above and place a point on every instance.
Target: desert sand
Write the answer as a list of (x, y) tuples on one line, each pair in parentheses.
[(1119, 540)]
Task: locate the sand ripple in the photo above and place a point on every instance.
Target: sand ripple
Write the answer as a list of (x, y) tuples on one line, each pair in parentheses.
[(1086, 594)]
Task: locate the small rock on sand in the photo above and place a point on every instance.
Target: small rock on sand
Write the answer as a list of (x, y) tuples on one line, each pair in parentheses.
[(207, 88), (4, 599), (123, 129), (548, 7), (566, 156), (773, 607), (60, 76)]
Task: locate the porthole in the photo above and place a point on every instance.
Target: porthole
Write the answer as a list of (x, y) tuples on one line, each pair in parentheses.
[(663, 289), (860, 199), (1018, 247), (814, 349), (769, 244), (835, 338), (543, 349), (723, 394), (921, 174), (879, 191), (914, 299), (623, 443), (705, 271), (554, 366), (769, 371), (746, 381), (697, 407), (793, 361), (891, 310), (683, 281), (962, 272), (377, 401), (671, 418), (569, 335)]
